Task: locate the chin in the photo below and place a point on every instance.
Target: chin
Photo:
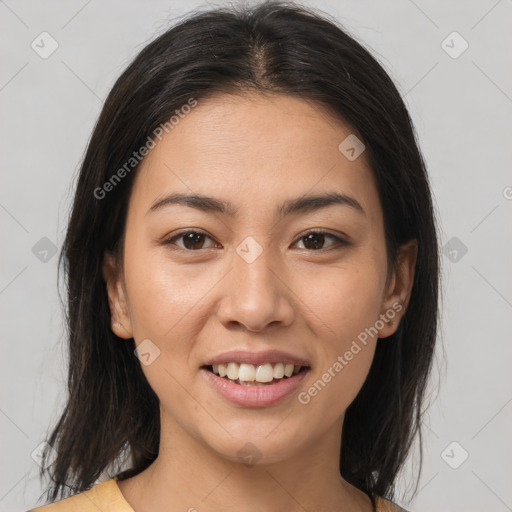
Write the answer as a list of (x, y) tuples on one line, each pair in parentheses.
[(255, 447)]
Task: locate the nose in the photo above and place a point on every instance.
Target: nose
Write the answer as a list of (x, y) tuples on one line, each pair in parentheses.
[(256, 295)]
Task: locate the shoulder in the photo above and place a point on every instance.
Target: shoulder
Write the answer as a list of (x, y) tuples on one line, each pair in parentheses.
[(101, 496), (384, 505)]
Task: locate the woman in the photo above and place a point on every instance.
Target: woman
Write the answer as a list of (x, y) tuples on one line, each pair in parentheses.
[(252, 270)]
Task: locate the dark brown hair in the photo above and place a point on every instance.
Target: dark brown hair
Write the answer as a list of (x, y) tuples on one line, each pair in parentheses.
[(271, 48)]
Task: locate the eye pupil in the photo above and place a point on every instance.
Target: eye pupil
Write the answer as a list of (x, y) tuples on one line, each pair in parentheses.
[(315, 237), (192, 237)]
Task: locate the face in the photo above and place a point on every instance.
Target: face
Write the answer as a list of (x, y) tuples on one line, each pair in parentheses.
[(258, 277)]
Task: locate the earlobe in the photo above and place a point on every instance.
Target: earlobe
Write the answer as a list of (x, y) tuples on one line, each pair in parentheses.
[(120, 318), (400, 287)]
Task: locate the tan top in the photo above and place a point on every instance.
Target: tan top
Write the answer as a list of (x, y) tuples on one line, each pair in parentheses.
[(107, 497)]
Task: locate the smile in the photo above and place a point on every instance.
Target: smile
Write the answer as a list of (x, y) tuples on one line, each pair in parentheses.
[(254, 393), (246, 374)]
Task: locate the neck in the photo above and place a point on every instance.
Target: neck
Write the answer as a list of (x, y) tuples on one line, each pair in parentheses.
[(188, 475)]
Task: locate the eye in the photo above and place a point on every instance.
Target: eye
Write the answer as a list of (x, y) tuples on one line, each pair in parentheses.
[(315, 239), (192, 240)]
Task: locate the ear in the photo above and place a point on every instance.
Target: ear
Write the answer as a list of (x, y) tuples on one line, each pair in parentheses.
[(120, 318), (398, 290)]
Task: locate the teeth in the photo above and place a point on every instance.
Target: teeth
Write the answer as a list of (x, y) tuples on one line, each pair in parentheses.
[(279, 371), (247, 373), (261, 374), (233, 371), (264, 373)]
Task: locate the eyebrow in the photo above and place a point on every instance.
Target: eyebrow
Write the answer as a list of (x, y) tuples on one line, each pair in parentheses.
[(299, 205)]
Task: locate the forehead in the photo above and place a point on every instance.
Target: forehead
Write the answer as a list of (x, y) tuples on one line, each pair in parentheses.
[(254, 147)]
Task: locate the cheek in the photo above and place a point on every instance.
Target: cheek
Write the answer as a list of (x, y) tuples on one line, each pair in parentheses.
[(160, 293), (163, 306), (343, 301), (344, 306)]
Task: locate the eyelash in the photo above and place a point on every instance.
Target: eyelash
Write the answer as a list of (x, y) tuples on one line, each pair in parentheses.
[(339, 241)]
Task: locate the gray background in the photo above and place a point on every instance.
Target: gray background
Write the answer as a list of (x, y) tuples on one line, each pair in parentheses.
[(461, 108)]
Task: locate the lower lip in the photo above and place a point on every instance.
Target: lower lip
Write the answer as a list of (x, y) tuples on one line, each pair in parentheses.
[(255, 396)]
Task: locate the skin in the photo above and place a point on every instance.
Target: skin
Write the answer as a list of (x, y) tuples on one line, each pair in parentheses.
[(254, 151)]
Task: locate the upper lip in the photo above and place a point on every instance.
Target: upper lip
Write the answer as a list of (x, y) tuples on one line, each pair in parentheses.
[(257, 358)]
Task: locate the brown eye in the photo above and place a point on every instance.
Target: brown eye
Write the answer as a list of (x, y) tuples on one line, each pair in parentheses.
[(314, 240), (192, 240), (195, 240)]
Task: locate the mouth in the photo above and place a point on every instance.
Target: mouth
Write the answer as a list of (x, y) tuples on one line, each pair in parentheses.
[(245, 374)]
